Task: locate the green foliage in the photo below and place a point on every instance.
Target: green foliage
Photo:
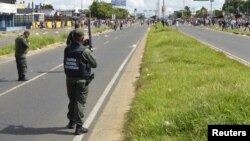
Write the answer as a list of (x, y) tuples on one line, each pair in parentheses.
[(187, 12), (236, 6), (179, 14), (41, 41), (184, 87), (218, 13), (36, 42), (201, 13), (103, 10), (7, 49), (48, 6), (235, 31)]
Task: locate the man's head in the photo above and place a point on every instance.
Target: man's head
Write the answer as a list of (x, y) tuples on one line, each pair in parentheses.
[(78, 36), (26, 34), (77, 25)]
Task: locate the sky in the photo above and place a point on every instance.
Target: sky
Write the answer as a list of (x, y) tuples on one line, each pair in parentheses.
[(140, 5)]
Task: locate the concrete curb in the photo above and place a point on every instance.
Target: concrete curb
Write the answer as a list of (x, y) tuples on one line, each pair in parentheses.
[(109, 127)]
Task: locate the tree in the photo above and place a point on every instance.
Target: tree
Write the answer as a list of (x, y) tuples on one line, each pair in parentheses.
[(103, 10), (202, 13), (187, 12), (48, 6), (235, 6), (178, 14), (218, 13)]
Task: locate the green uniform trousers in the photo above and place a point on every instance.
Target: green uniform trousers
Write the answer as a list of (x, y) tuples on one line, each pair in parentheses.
[(21, 64), (77, 94)]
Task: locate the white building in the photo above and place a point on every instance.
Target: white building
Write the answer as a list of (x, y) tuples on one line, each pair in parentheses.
[(7, 11)]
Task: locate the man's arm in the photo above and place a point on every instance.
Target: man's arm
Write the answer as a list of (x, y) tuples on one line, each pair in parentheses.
[(25, 42), (88, 56)]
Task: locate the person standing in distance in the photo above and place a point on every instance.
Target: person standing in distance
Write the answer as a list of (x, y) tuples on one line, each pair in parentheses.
[(21, 49), (78, 62)]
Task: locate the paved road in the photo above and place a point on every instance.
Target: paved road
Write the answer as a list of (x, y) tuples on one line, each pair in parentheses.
[(36, 110), (236, 45)]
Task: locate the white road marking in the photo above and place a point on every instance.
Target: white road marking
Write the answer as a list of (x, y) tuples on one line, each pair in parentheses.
[(26, 82), (106, 42), (100, 101)]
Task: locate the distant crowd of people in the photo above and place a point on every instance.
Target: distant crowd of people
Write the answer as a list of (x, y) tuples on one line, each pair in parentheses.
[(232, 23)]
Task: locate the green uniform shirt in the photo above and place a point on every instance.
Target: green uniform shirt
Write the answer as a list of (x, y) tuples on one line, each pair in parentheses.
[(21, 46), (86, 54)]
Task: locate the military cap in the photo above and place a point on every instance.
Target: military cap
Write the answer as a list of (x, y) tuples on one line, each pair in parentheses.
[(78, 33)]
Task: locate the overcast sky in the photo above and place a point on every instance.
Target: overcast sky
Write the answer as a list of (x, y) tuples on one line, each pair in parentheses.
[(141, 5)]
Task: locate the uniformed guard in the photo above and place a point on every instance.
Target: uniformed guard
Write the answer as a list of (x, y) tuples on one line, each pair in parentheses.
[(21, 49), (78, 62)]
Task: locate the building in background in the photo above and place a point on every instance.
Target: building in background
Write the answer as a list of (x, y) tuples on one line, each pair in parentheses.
[(8, 9)]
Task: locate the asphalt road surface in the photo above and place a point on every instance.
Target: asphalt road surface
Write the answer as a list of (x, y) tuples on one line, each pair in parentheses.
[(36, 110), (236, 45)]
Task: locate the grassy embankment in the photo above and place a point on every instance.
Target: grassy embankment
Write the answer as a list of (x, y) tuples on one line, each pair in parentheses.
[(185, 86), (41, 41), (234, 31), (36, 42)]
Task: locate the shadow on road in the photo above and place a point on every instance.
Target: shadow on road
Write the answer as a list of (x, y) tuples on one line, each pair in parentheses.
[(21, 130), (4, 80), (51, 72)]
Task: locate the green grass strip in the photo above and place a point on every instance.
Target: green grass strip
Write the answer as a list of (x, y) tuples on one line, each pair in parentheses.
[(238, 31), (41, 41), (36, 42), (184, 87)]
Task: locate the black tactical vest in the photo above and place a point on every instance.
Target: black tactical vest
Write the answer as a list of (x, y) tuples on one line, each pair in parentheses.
[(74, 65)]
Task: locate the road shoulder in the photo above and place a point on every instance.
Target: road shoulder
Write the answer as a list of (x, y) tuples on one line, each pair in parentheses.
[(111, 121)]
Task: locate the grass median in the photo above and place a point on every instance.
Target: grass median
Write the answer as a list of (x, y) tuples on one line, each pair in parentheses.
[(41, 41), (238, 31), (36, 42), (184, 87)]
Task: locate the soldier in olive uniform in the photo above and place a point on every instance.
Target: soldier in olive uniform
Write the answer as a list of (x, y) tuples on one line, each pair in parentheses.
[(78, 62), (21, 49)]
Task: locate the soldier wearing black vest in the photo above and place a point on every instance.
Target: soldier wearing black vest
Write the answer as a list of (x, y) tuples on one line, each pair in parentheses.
[(78, 62)]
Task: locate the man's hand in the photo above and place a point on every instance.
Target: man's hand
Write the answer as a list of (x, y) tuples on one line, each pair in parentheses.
[(86, 42)]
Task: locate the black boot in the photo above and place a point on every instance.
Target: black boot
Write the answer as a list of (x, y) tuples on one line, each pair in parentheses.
[(80, 130), (22, 78), (71, 125), (19, 77)]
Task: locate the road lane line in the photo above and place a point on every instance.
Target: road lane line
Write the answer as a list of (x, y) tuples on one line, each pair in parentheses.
[(106, 42), (26, 82), (100, 101)]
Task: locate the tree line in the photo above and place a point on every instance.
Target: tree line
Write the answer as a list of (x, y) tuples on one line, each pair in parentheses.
[(104, 10), (229, 7)]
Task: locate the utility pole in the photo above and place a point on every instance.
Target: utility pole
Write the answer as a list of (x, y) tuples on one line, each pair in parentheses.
[(247, 9), (182, 11), (211, 14), (81, 4), (227, 9), (157, 13), (163, 12)]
